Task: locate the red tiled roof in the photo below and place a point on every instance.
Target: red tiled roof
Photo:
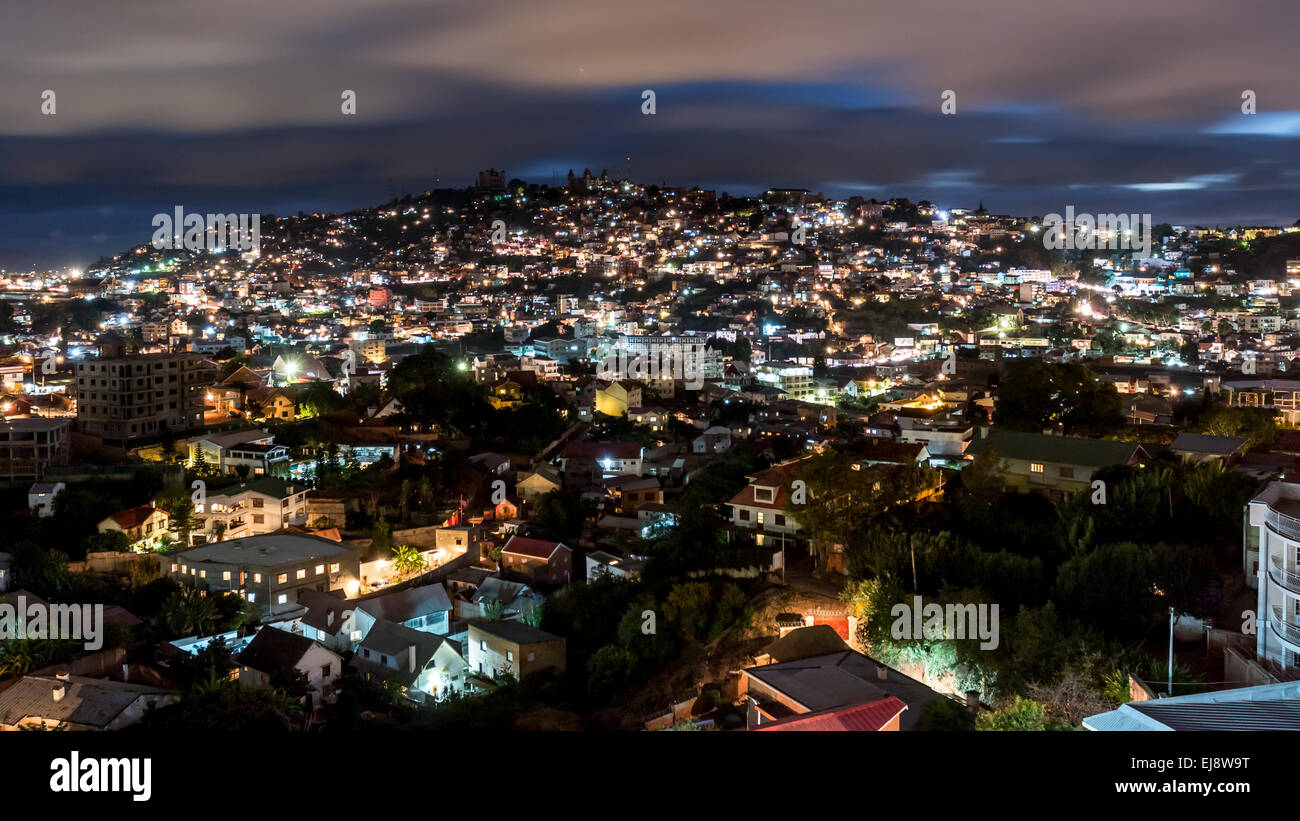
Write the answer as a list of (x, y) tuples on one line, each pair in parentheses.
[(870, 717), (135, 517), (779, 477), (537, 548)]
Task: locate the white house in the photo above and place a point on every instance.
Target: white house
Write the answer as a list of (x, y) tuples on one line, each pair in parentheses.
[(1271, 558), (274, 652), (251, 508), (40, 497), (422, 663), (426, 609)]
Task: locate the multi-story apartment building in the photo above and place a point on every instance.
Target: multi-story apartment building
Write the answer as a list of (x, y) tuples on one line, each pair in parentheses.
[(269, 570), (796, 380), (684, 358), (1280, 395), (28, 446), (1271, 560), (128, 398), (252, 508)]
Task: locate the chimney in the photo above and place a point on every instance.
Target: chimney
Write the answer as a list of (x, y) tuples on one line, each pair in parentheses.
[(882, 672), (973, 701), (60, 690), (411, 655)]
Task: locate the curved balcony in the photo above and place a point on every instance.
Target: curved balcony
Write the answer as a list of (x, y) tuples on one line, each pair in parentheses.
[(1283, 525), (1284, 630), (1281, 577)]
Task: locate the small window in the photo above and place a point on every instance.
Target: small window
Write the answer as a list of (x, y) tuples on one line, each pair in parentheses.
[(283, 578), (1036, 467), (252, 597), (510, 655), (1067, 473), (225, 575), (326, 671), (257, 578), (302, 573), (282, 599), (320, 569), (334, 568)]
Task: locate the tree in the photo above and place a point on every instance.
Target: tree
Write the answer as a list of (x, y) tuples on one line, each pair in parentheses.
[(1259, 425), (944, 715), (560, 516), (404, 499), (408, 560), (1036, 395), (1020, 715), (180, 510), (381, 536)]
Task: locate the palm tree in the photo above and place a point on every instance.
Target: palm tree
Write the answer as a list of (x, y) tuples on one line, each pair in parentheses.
[(408, 560), (187, 613)]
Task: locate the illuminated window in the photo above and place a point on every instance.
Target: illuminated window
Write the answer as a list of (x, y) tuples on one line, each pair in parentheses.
[(1035, 467), (334, 568), (225, 575), (282, 578), (302, 573), (257, 578), (281, 599), (320, 568)]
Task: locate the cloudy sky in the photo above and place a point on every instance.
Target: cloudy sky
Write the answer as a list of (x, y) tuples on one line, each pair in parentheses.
[(1107, 105)]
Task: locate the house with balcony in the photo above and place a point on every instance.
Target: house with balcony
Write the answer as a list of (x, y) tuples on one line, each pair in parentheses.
[(263, 505), (1279, 395), (1271, 559)]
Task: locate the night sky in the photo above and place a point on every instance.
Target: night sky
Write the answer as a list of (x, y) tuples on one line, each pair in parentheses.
[(1106, 105)]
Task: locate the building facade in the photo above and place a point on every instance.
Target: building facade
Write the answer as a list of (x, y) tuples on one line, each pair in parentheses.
[(129, 398)]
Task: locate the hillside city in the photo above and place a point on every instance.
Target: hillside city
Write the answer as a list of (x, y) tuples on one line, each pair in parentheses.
[(610, 455)]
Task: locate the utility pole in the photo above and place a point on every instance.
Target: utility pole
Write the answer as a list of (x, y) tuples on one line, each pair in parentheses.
[(911, 542), (1171, 652)]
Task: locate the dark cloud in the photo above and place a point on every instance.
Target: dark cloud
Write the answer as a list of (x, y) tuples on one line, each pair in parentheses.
[(1106, 105)]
